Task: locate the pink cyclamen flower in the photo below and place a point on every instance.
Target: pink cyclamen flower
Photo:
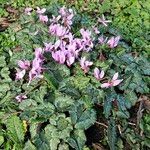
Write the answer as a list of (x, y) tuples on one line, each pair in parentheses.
[(98, 74), (67, 20), (62, 11), (70, 57), (28, 10), (59, 56), (38, 53), (114, 82), (102, 40), (87, 43), (70, 60), (24, 64), (32, 75), (67, 15), (41, 11), (36, 64), (57, 30), (35, 74), (85, 64), (69, 36), (20, 74), (48, 47), (103, 20), (21, 97), (43, 18), (96, 30), (55, 19), (113, 41), (38, 60), (78, 42), (85, 33), (72, 49)]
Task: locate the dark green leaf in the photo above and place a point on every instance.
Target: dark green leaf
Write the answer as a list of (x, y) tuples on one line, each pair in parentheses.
[(111, 133)]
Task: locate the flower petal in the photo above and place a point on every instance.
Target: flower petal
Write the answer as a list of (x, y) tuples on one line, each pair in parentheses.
[(20, 74), (115, 76), (105, 85), (70, 60), (102, 74), (82, 61), (117, 82), (96, 73)]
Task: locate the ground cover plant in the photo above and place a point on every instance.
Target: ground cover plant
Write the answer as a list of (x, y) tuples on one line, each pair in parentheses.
[(69, 81)]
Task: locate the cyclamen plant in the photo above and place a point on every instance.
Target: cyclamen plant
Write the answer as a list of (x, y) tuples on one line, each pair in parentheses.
[(74, 77), (68, 48)]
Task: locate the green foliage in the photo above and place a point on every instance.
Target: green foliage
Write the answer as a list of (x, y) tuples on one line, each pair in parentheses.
[(65, 103)]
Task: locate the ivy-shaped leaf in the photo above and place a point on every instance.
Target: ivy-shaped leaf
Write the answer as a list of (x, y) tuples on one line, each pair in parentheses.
[(67, 86), (63, 103), (15, 130), (82, 118), (77, 140), (108, 103), (123, 104)]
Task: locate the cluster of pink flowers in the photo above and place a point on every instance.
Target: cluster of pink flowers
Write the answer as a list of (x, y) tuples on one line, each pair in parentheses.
[(67, 49), (33, 69), (99, 75), (37, 63), (86, 40), (36, 68), (112, 42), (43, 18), (66, 15)]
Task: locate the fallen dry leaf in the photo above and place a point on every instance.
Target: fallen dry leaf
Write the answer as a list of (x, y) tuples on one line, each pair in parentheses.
[(4, 23), (97, 146), (11, 10)]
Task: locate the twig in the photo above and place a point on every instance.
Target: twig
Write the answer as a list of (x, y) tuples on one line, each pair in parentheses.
[(102, 124), (130, 123), (119, 128), (140, 113)]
